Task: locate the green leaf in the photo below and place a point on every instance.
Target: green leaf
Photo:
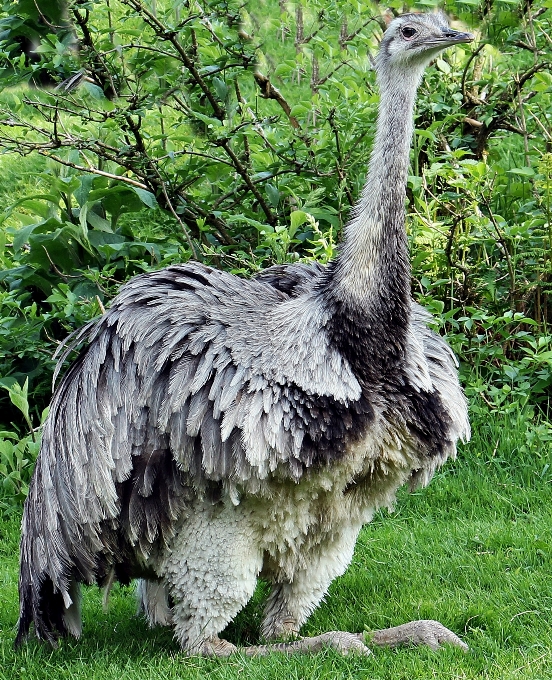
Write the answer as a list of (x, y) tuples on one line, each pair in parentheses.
[(22, 236), (81, 194), (98, 222), (33, 202), (94, 91), (523, 172), (297, 218), (146, 197), (210, 122), (18, 397), (283, 69), (237, 219), (273, 194), (221, 88), (299, 110), (443, 66), (427, 134), (82, 217)]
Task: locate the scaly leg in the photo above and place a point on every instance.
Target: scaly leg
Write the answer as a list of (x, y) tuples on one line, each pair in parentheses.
[(291, 602), (211, 573), (430, 633), (424, 632)]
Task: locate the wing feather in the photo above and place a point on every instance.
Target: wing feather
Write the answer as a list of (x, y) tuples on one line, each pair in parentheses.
[(192, 377), (199, 406)]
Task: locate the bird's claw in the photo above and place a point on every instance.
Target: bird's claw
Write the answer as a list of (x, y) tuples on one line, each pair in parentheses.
[(424, 632), (216, 646), (430, 633), (346, 643)]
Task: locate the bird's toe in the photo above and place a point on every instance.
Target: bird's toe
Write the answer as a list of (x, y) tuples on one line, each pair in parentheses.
[(425, 632), (346, 643), (216, 646)]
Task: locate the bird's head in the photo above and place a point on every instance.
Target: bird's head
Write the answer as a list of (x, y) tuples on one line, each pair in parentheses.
[(415, 39)]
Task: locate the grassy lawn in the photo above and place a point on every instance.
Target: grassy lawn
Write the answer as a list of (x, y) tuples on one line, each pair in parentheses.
[(472, 550)]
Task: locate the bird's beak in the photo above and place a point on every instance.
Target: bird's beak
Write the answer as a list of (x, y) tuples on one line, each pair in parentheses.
[(451, 37)]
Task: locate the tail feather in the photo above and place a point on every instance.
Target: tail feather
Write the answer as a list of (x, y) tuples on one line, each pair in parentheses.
[(39, 604), (49, 596)]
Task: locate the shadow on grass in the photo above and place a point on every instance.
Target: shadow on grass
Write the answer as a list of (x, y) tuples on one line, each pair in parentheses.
[(122, 635)]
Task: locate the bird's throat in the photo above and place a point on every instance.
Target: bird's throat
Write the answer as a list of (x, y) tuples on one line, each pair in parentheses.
[(370, 278)]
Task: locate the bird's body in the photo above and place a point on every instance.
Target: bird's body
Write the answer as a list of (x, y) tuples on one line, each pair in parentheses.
[(216, 430)]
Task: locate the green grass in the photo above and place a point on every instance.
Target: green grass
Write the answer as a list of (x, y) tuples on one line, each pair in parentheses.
[(473, 550)]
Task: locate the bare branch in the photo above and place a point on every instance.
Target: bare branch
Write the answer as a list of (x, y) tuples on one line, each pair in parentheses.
[(92, 170), (268, 91)]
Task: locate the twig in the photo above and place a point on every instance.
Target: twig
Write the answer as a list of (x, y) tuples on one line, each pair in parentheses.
[(472, 56), (96, 57), (93, 170), (351, 36), (100, 304), (54, 267), (505, 250), (169, 204), (225, 144), (339, 160), (268, 91), (546, 132)]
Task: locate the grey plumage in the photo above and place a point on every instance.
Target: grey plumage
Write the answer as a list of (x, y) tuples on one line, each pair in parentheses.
[(216, 429)]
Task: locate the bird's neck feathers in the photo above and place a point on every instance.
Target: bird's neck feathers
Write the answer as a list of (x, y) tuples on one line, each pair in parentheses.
[(370, 278), (374, 248)]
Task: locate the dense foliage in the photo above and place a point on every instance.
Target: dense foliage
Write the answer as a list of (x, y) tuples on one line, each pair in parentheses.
[(136, 134)]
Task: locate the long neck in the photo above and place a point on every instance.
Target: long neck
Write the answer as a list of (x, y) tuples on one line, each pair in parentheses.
[(370, 279)]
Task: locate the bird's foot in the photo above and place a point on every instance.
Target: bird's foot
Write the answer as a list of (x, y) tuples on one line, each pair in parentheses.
[(430, 633), (215, 646), (346, 643)]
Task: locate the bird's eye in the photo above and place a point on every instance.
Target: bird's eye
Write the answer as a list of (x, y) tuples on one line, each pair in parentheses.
[(408, 32)]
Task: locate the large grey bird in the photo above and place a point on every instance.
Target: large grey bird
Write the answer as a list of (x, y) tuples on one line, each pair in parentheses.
[(216, 430)]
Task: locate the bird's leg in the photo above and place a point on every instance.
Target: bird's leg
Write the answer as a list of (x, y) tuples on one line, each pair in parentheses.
[(211, 573), (290, 603), (278, 621), (424, 632), (346, 643), (430, 633), (215, 646)]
